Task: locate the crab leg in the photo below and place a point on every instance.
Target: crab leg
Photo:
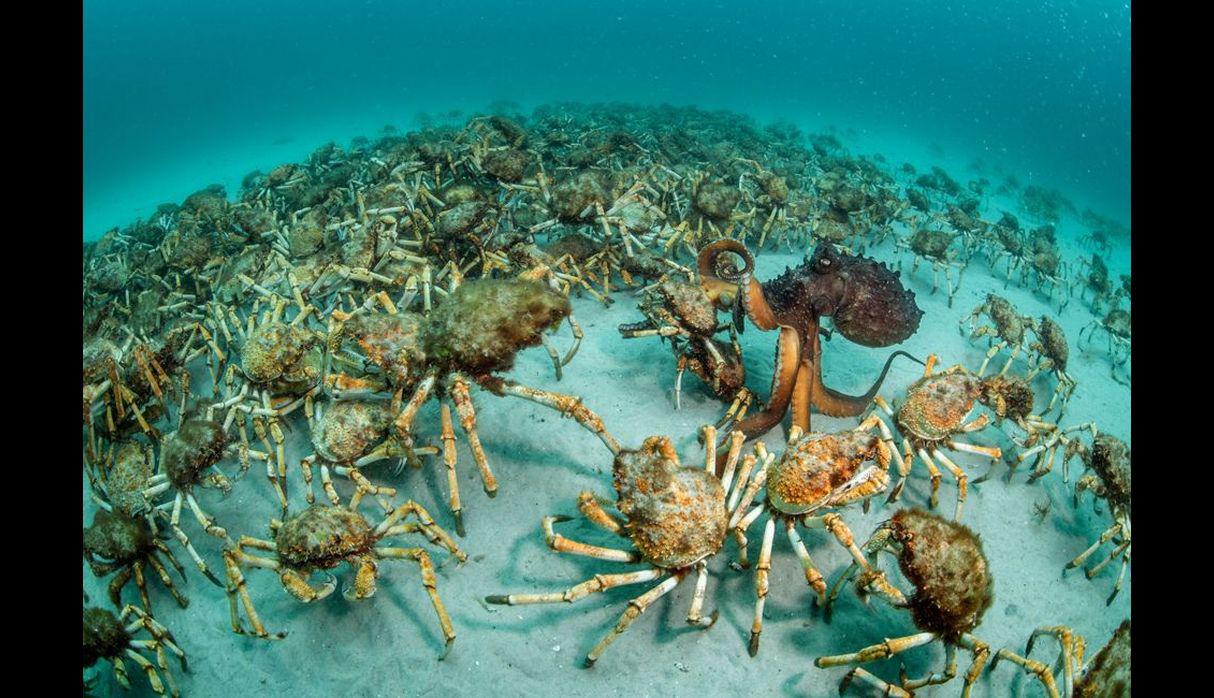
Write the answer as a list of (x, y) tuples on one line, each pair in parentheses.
[(404, 421), (961, 477), (158, 567), (867, 677), (237, 587), (589, 505), (736, 438), (761, 571), (552, 354), (739, 534), (981, 652), (694, 616), (1104, 538), (567, 405), (120, 673), (259, 428), (935, 475), (467, 419), (305, 465), (429, 581), (737, 409), (597, 583), (1072, 653), (881, 650), (205, 520), (562, 544), (294, 583), (950, 671), (1095, 569), (812, 576), (326, 483), (636, 607), (153, 677), (449, 460), (873, 578), (1039, 670), (189, 547)]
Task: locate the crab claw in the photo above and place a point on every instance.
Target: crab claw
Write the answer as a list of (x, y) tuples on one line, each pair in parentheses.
[(327, 587)]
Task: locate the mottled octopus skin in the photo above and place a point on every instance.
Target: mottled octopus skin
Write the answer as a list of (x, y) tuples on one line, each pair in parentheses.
[(676, 514), (868, 305)]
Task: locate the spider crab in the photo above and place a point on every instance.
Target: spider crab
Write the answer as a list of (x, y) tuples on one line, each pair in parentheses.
[(817, 475), (954, 588), (937, 409), (323, 537), (111, 637), (675, 516), (469, 339), (864, 299), (685, 314), (1109, 463)]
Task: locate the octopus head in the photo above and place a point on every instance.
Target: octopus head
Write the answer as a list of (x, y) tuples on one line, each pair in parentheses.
[(868, 303)]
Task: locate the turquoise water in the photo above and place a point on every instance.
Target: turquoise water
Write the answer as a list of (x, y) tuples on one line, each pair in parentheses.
[(179, 96)]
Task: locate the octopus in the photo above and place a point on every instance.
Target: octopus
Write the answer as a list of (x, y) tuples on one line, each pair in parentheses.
[(867, 304)]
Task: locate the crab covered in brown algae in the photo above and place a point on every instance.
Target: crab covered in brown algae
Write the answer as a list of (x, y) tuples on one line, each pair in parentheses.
[(322, 537), (112, 637), (472, 336), (934, 412), (674, 516), (954, 587), (816, 475)]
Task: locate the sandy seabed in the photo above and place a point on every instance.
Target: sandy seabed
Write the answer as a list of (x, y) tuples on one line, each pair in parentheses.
[(389, 645)]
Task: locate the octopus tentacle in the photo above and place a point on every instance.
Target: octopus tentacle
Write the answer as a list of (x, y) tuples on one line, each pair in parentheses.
[(741, 280), (802, 395), (757, 308), (788, 362), (836, 404)]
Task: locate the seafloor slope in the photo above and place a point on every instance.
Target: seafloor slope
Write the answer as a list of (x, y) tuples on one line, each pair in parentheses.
[(389, 645)]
